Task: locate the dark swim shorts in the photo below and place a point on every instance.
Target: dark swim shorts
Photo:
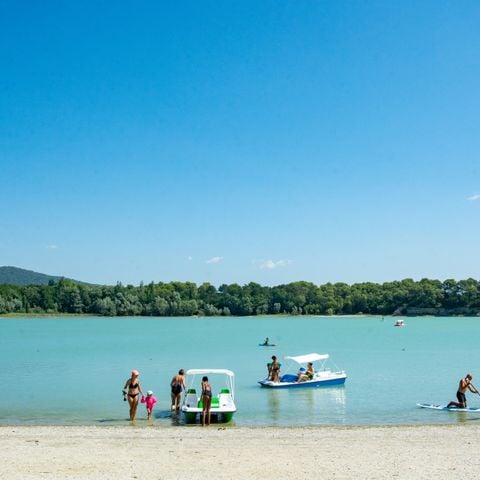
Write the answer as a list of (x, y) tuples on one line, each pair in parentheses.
[(461, 398)]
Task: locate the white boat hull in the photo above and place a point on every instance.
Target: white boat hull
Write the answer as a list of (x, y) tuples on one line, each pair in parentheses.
[(322, 379), (222, 407), (222, 411)]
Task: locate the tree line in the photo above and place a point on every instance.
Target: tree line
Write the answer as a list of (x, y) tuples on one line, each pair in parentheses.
[(406, 297)]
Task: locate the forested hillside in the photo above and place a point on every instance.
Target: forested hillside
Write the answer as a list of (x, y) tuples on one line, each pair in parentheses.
[(406, 297), (20, 276)]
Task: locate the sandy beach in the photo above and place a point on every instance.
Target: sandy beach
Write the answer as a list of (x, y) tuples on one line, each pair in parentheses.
[(218, 452)]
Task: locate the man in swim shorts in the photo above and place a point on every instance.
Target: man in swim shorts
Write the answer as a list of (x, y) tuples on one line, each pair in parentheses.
[(464, 385)]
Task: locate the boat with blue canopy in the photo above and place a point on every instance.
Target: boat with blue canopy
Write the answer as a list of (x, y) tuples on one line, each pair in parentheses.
[(322, 376)]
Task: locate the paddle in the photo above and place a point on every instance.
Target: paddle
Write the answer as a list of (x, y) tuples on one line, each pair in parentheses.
[(476, 389)]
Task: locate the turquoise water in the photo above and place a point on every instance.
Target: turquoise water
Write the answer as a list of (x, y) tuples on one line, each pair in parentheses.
[(72, 370)]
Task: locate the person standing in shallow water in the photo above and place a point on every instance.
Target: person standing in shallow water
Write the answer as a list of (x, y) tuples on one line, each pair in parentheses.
[(134, 389), (207, 401), (464, 385), (177, 385), (150, 401)]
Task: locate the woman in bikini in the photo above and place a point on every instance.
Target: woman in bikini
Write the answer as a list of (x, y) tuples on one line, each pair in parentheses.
[(275, 369), (134, 389), (206, 400)]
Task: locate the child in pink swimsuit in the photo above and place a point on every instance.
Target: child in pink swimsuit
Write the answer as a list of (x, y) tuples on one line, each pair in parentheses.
[(150, 400)]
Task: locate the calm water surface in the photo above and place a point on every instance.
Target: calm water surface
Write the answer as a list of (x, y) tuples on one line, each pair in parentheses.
[(72, 370)]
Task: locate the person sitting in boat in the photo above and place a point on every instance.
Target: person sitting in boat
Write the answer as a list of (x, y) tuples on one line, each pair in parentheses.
[(305, 374), (464, 385), (310, 371), (266, 342), (302, 375)]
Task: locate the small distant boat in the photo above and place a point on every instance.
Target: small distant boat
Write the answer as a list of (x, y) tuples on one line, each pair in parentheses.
[(323, 375), (223, 404), (399, 323)]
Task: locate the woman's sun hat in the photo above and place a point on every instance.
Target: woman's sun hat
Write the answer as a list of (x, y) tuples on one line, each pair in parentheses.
[(134, 372)]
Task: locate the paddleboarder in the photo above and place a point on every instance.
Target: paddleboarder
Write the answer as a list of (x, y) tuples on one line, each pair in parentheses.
[(464, 385)]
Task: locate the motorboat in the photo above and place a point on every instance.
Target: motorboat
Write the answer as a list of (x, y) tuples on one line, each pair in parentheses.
[(223, 404), (323, 375), (399, 323)]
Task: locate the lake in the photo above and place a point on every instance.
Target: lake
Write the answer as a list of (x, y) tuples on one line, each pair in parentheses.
[(72, 370)]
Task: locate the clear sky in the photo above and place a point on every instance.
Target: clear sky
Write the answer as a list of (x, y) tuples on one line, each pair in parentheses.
[(238, 141)]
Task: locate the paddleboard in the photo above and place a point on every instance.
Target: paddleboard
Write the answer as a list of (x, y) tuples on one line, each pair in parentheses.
[(449, 409), (267, 345)]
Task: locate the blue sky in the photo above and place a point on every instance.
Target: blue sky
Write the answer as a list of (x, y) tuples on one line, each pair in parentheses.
[(240, 141)]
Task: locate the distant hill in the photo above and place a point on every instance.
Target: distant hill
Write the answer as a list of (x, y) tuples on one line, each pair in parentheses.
[(20, 276)]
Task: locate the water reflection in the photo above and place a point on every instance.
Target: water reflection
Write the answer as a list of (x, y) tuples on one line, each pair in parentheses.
[(462, 417), (307, 405), (177, 419), (274, 404), (339, 395)]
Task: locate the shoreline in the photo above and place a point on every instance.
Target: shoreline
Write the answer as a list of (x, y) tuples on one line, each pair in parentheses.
[(332, 452), (273, 315), (52, 315)]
